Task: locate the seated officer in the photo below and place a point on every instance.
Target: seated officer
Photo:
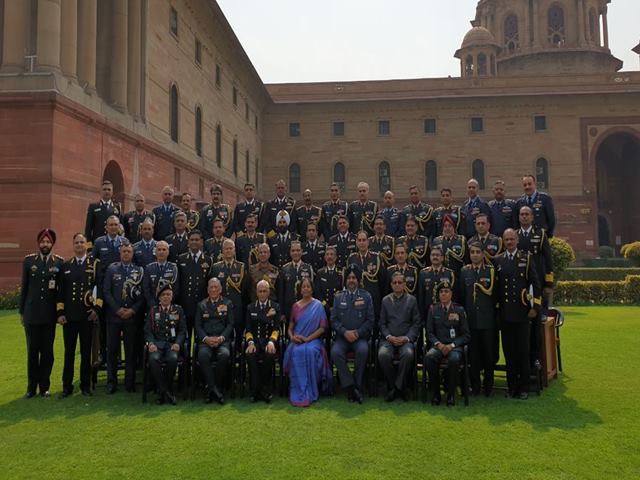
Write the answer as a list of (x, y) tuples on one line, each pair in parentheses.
[(448, 333), (263, 330), (352, 320), (165, 331), (400, 326), (214, 326)]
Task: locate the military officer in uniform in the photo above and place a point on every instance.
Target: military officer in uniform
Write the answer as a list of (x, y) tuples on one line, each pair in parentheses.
[(306, 214), (213, 245), (123, 299), (99, 212), (250, 206), (328, 281), (313, 249), (344, 242), (192, 216), (394, 218), (422, 212), (417, 245), (194, 268), (165, 214), (363, 211), (216, 210), (40, 279), (165, 332), (262, 334), (78, 306), (144, 252), (264, 270), (491, 244), (382, 244), (516, 278), (454, 246), (473, 206), (178, 242), (131, 221), (429, 277), (477, 294), (409, 272), (291, 275), (352, 320), (272, 212), (503, 210), (158, 274), (448, 332), (248, 240), (214, 327), (541, 204), (331, 211), (373, 273), (280, 243), (448, 208)]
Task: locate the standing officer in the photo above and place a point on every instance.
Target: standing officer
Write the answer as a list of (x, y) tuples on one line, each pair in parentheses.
[(417, 245), (247, 241), (99, 212), (382, 244), (214, 327), (79, 304), (264, 270), (124, 300), (503, 210), (472, 206), (477, 284), (213, 245), (40, 278), (448, 208), (280, 242), (422, 212), (291, 275), (328, 281), (454, 246), (344, 242), (352, 320), (306, 214), (541, 204), (192, 216), (194, 268), (158, 274), (165, 214), (144, 252), (133, 219), (216, 210), (263, 331), (394, 218), (178, 242), (331, 212), (363, 211), (516, 276), (250, 206), (491, 244), (430, 277), (272, 211), (373, 273), (313, 249), (409, 272)]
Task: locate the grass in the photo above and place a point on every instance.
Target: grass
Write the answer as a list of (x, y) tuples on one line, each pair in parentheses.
[(584, 426)]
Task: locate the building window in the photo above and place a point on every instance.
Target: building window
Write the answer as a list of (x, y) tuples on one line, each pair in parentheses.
[(339, 175), (482, 64), (477, 172), (198, 131), (294, 129), (430, 126), (246, 164), (511, 40), (235, 96), (431, 176), (219, 145), (468, 66), (294, 178), (200, 188), (173, 112), (176, 178), (338, 129), (384, 177), (198, 52), (556, 25), (246, 111), (218, 75), (542, 173), (477, 124), (173, 21), (540, 123), (235, 157), (255, 122), (384, 127)]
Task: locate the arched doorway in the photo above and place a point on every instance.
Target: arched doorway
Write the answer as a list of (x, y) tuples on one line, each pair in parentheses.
[(618, 183), (113, 173)]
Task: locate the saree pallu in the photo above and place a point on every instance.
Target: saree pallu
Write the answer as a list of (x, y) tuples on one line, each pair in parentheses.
[(307, 364)]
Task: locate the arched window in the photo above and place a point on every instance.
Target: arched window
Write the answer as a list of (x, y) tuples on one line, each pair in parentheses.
[(482, 64), (294, 178), (384, 177), (219, 145), (431, 176), (246, 164), (173, 112), (339, 175), (198, 131), (477, 172), (542, 173), (468, 66), (511, 36), (235, 157), (556, 25)]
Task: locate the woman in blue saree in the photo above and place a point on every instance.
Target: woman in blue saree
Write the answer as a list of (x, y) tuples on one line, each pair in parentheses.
[(305, 359)]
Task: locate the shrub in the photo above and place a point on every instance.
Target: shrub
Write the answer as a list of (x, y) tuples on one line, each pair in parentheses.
[(9, 299), (605, 251), (602, 274), (625, 291), (631, 251), (563, 255)]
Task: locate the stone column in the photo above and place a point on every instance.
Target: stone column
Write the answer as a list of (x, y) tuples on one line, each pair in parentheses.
[(134, 67), (69, 37), (48, 43), (581, 23), (536, 23), (87, 38), (605, 28), (15, 30), (119, 40)]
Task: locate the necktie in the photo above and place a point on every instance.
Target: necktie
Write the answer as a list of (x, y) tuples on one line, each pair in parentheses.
[(113, 243), (529, 200)]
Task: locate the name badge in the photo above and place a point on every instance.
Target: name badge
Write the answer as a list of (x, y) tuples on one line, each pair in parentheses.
[(173, 331), (359, 303), (452, 333), (157, 316), (52, 284)]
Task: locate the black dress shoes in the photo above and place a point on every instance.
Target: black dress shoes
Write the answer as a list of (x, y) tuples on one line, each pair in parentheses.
[(436, 399), (29, 395), (111, 389), (451, 400), (391, 395), (357, 396)]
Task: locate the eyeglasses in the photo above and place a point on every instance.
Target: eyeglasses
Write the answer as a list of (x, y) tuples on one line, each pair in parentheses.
[(397, 282)]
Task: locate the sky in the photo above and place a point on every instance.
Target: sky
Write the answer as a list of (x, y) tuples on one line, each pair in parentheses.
[(331, 40)]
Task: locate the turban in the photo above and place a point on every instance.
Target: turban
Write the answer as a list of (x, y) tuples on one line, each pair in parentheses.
[(283, 215), (355, 269), (47, 233), (449, 219)]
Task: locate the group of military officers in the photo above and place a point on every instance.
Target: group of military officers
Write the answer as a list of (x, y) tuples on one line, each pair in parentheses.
[(226, 279)]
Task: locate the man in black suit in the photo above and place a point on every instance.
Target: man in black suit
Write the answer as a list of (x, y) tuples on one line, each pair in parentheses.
[(194, 268)]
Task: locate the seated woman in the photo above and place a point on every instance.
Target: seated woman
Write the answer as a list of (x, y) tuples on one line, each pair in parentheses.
[(164, 331), (305, 359)]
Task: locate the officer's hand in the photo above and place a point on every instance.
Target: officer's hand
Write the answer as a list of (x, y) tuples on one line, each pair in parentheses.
[(153, 348), (210, 342), (175, 347), (533, 313), (271, 348), (251, 348), (442, 347), (350, 336), (121, 312), (62, 319), (93, 316)]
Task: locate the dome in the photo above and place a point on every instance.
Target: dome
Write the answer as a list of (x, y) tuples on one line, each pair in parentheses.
[(478, 37)]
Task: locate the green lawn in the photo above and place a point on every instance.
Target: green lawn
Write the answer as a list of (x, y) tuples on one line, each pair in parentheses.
[(584, 426)]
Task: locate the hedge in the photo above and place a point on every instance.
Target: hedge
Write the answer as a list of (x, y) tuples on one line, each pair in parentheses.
[(602, 274), (625, 292), (9, 299)]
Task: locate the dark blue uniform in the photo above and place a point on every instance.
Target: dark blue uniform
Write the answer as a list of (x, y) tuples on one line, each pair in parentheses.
[(331, 211), (165, 215), (544, 215), (503, 216), (470, 210), (144, 253), (361, 216), (178, 244), (425, 218), (345, 245), (96, 221), (242, 211), (156, 277), (268, 222), (394, 220)]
